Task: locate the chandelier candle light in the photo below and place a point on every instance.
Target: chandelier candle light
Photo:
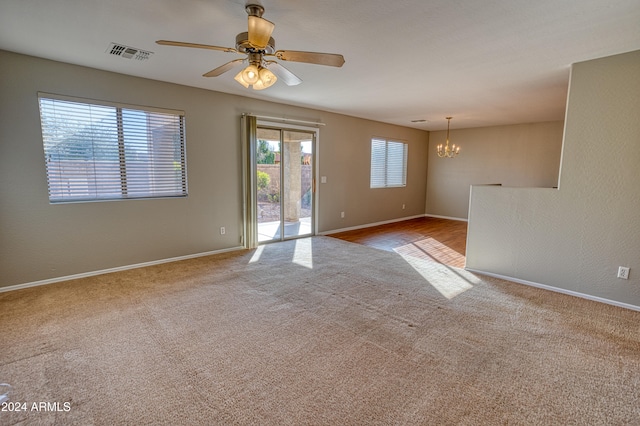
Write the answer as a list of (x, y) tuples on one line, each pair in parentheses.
[(446, 151)]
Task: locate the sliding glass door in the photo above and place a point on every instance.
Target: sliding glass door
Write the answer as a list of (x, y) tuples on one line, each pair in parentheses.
[(285, 183)]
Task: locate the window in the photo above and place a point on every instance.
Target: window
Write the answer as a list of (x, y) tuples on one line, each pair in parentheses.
[(101, 151), (388, 163)]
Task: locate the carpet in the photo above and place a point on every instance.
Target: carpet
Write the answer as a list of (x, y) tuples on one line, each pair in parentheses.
[(314, 331)]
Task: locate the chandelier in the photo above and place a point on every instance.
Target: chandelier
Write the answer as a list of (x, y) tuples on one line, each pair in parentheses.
[(446, 151)]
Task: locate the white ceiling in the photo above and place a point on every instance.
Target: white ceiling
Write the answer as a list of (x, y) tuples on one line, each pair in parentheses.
[(484, 62)]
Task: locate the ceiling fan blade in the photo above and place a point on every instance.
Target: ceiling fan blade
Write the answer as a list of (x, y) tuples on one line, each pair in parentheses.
[(330, 59), (196, 45), (223, 68), (289, 78), (260, 31)]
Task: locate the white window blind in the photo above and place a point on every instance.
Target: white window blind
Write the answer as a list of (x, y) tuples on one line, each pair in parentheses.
[(388, 163), (102, 151)]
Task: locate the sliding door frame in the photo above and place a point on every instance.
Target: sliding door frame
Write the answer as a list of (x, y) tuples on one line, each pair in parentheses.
[(249, 127)]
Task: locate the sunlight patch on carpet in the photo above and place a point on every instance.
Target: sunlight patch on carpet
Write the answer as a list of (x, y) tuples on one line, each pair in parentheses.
[(303, 253), (450, 282), (256, 256)]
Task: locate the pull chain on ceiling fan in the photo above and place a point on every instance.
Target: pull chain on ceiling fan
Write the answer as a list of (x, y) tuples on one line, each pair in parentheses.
[(258, 44)]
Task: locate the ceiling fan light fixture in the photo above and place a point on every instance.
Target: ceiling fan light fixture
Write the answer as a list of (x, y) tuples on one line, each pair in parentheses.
[(251, 74), (267, 77), (264, 78), (240, 80), (260, 31)]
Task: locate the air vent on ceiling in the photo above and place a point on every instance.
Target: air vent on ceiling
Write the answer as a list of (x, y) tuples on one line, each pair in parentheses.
[(128, 52)]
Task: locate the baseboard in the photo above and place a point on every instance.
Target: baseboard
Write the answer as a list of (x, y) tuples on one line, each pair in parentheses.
[(118, 269), (461, 219), (369, 225), (558, 290)]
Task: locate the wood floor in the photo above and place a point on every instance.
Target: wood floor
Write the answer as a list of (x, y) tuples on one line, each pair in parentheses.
[(430, 238)]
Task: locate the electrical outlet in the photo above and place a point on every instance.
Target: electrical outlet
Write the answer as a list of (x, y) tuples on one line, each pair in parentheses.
[(222, 230), (342, 215), (403, 207), (623, 272)]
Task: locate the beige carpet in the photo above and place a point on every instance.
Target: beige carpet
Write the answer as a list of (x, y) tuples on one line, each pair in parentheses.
[(315, 331)]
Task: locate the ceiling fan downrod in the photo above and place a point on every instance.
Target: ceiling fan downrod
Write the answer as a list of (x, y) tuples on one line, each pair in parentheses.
[(254, 10)]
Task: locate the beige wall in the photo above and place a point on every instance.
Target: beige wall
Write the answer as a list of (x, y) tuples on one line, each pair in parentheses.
[(40, 241), (524, 155), (575, 238)]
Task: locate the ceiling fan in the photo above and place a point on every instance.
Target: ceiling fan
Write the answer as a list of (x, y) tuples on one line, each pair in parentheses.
[(258, 45)]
